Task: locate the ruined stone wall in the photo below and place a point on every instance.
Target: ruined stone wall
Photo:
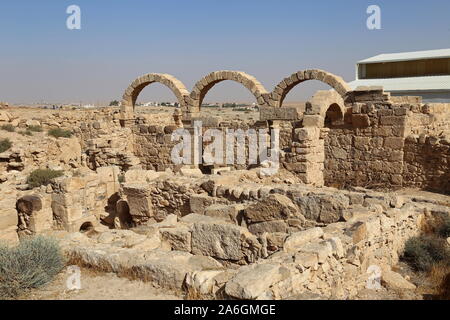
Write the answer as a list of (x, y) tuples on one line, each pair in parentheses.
[(153, 144), (87, 197), (368, 149), (429, 119), (154, 200), (427, 163)]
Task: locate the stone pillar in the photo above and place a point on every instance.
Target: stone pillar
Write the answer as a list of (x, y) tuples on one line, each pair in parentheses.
[(308, 147), (8, 215), (177, 118), (126, 114)]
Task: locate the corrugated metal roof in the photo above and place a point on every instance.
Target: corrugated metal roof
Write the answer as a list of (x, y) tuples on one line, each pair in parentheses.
[(407, 84), (406, 56)]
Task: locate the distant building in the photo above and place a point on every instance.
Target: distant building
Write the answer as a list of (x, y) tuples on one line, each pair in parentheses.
[(150, 104), (420, 73), (87, 106)]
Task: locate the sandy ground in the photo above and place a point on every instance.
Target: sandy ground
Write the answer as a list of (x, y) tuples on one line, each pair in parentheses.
[(100, 286)]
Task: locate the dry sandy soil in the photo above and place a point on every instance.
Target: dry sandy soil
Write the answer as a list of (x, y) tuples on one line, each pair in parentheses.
[(100, 286)]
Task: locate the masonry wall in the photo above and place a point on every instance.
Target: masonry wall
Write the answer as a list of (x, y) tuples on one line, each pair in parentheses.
[(429, 119), (153, 144), (427, 163), (367, 150)]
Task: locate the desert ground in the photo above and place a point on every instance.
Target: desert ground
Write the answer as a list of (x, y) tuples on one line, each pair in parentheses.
[(359, 193)]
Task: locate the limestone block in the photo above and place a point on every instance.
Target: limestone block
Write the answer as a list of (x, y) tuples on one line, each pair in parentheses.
[(323, 250), (8, 218), (222, 240), (326, 208), (308, 133), (299, 239), (268, 226), (199, 202), (178, 238), (273, 207), (253, 281), (141, 176), (139, 200), (360, 120), (393, 280), (227, 213), (313, 121), (395, 143)]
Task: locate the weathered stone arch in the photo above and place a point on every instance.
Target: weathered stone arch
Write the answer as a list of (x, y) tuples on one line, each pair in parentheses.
[(133, 90), (323, 99), (206, 83), (322, 102), (282, 89)]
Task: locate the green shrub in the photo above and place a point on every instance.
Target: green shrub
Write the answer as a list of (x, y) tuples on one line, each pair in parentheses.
[(32, 264), (444, 229), (60, 133), (422, 252), (42, 177), (121, 178), (8, 127), (35, 128), (26, 133), (5, 144)]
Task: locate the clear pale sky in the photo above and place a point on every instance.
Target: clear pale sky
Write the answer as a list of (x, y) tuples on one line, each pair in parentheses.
[(40, 59)]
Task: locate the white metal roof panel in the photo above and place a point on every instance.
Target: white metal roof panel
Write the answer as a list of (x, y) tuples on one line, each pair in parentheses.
[(434, 83), (407, 56)]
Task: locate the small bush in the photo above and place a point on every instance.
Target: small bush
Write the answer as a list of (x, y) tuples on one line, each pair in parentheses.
[(42, 177), (35, 128), (32, 264), (5, 144), (26, 133), (422, 252), (444, 228), (8, 127), (121, 178), (60, 133)]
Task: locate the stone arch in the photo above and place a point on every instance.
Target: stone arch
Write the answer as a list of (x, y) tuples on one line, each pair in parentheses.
[(323, 102), (132, 92), (282, 89), (333, 116), (86, 226), (202, 87)]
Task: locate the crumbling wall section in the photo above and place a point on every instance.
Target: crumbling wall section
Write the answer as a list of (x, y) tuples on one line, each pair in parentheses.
[(427, 163), (429, 119), (369, 152)]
